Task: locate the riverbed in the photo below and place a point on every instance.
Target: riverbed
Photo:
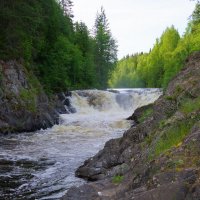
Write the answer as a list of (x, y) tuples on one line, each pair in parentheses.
[(41, 165)]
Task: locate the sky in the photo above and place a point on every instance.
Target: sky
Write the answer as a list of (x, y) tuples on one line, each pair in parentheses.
[(136, 24)]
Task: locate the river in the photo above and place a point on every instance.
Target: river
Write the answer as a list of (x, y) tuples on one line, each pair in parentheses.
[(41, 165)]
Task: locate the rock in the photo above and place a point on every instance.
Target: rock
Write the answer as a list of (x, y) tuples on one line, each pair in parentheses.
[(194, 193), (23, 106), (97, 167), (85, 192), (64, 98), (139, 112), (166, 192), (171, 173)]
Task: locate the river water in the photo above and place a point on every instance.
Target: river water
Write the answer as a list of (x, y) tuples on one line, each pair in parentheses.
[(41, 165)]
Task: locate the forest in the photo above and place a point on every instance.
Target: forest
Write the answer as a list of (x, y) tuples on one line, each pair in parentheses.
[(66, 55), (63, 54), (164, 60)]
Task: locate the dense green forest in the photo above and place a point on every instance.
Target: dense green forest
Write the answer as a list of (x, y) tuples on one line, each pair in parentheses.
[(164, 60), (63, 54)]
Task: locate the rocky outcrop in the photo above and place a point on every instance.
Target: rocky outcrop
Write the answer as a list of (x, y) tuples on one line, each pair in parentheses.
[(159, 157), (23, 104), (138, 114)]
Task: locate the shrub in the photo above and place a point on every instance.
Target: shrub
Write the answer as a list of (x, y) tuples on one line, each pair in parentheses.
[(190, 105), (117, 179)]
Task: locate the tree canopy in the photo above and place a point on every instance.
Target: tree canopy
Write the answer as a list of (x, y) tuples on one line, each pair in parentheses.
[(61, 53), (163, 62)]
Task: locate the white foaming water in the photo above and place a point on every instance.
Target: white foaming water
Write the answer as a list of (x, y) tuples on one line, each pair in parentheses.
[(41, 165)]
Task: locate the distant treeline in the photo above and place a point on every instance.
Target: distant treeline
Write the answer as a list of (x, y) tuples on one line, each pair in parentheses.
[(61, 53), (163, 62)]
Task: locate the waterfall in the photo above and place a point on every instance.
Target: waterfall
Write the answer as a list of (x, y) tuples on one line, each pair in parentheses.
[(41, 165), (119, 100)]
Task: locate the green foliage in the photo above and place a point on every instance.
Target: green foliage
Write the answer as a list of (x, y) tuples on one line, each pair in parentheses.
[(85, 44), (148, 112), (105, 50), (61, 54), (172, 136), (188, 105), (196, 14), (28, 98), (154, 69), (163, 62), (117, 179), (125, 74)]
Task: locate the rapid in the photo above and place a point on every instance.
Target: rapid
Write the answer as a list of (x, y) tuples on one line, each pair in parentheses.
[(41, 165)]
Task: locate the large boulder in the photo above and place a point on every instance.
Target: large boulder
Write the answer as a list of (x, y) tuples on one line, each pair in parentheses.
[(23, 104)]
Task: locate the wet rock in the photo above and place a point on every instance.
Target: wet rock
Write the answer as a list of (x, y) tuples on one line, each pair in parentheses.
[(95, 168), (170, 174), (113, 91), (65, 100)]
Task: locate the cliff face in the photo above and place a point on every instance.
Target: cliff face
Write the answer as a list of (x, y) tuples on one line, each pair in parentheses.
[(23, 104), (159, 157)]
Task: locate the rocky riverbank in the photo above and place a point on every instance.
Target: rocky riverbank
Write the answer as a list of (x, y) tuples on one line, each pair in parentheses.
[(24, 106), (159, 157)]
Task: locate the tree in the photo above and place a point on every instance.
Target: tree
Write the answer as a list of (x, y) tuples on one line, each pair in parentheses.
[(105, 49), (66, 6), (153, 69), (196, 13), (85, 44)]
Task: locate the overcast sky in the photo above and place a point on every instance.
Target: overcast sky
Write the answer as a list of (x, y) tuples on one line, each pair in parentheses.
[(136, 24)]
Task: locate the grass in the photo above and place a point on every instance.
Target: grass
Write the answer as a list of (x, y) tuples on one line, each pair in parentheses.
[(117, 179), (145, 114), (190, 105), (172, 137)]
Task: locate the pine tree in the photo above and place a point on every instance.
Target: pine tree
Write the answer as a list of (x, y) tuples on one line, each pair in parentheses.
[(105, 49), (196, 13), (66, 6)]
